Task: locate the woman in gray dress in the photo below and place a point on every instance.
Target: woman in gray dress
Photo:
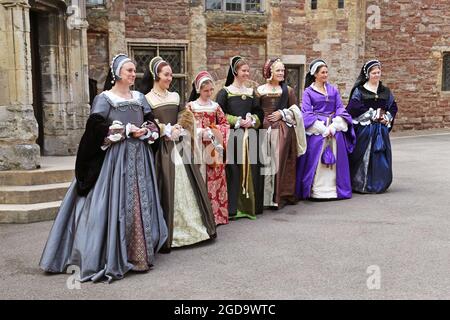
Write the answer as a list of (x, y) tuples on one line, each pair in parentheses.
[(111, 220)]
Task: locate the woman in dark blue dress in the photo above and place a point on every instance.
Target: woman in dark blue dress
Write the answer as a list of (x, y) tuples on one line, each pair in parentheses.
[(373, 109)]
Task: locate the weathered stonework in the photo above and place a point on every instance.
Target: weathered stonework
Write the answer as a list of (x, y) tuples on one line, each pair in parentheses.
[(98, 45), (409, 37), (62, 77), (157, 19), (327, 32), (18, 127), (232, 34), (274, 29), (410, 41), (117, 26), (197, 34)]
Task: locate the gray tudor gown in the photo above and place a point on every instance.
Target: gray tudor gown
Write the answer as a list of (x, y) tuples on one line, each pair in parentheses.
[(119, 225)]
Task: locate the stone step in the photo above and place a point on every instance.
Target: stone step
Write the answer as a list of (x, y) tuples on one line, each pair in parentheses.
[(26, 213), (36, 177), (33, 194)]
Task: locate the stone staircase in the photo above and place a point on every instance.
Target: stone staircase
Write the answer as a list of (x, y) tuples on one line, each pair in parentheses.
[(35, 195)]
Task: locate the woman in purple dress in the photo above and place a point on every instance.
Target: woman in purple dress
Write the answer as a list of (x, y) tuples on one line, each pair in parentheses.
[(323, 171)]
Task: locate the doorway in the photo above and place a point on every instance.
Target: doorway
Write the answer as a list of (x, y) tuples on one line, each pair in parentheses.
[(35, 19)]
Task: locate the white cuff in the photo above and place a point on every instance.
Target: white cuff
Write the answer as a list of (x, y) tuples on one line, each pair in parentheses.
[(319, 125), (376, 114), (168, 130), (283, 114), (317, 128), (238, 123), (116, 124), (146, 136), (388, 117), (113, 138), (154, 136), (249, 115), (339, 124), (288, 117), (253, 121), (127, 130), (366, 118)]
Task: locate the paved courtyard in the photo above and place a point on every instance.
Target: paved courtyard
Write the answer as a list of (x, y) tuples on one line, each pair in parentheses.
[(314, 250)]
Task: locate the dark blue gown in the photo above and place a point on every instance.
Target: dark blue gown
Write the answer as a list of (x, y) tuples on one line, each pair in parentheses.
[(371, 160)]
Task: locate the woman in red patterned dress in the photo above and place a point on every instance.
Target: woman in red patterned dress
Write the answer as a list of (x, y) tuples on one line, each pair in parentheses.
[(212, 130)]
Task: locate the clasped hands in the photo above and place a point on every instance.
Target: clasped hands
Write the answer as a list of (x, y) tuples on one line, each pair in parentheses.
[(137, 132), (380, 116), (326, 131), (247, 122), (274, 116), (175, 133), (330, 131)]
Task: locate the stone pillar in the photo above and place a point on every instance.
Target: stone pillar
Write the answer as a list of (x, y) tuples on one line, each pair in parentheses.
[(78, 108), (197, 35), (116, 28), (274, 29), (65, 100), (18, 126)]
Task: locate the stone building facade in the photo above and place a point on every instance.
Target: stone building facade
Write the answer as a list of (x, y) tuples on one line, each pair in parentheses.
[(410, 37), (43, 80)]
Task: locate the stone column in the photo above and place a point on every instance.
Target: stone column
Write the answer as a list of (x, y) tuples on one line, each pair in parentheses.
[(63, 52), (116, 28), (197, 35), (18, 126), (274, 29), (78, 78)]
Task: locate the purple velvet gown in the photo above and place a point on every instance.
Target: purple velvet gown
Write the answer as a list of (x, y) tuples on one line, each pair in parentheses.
[(317, 106)]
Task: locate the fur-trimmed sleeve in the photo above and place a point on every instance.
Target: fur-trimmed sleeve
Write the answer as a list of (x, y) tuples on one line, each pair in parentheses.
[(186, 119), (90, 156)]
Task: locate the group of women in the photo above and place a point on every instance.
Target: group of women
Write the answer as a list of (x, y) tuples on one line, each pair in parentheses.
[(139, 188)]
